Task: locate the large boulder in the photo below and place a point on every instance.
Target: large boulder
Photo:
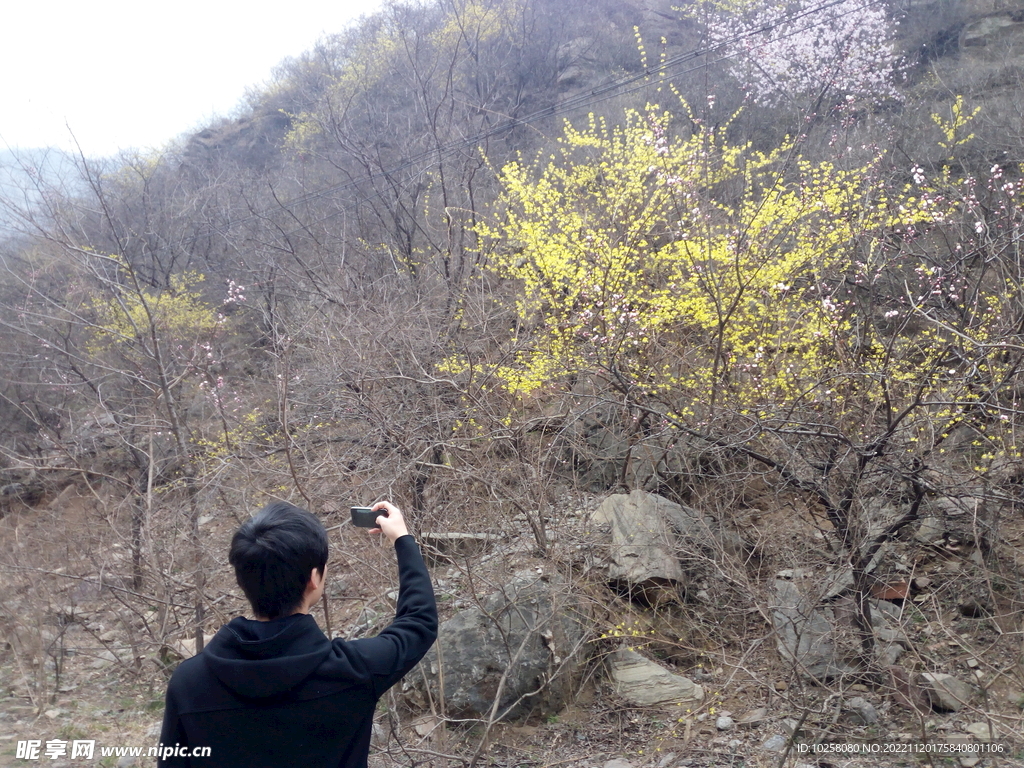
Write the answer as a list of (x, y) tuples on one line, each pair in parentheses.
[(519, 646), (604, 444), (997, 37), (944, 692), (653, 542), (820, 636), (643, 683)]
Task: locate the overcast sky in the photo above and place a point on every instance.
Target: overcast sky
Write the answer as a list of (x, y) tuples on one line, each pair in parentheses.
[(121, 74)]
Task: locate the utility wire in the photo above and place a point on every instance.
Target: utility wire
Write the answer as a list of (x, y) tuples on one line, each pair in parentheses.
[(570, 106)]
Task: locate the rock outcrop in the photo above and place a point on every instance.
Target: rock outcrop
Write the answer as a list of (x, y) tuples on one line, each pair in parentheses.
[(651, 543), (819, 636), (944, 692), (519, 647), (643, 683)]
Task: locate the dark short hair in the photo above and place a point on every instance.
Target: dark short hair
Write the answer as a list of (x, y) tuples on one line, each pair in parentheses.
[(273, 554)]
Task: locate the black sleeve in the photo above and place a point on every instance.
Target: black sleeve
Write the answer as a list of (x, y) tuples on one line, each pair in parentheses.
[(396, 650)]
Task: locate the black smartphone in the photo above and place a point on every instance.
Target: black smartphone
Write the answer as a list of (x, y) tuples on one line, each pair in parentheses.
[(364, 517)]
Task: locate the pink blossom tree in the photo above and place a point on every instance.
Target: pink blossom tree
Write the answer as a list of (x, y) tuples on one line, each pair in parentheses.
[(788, 51)]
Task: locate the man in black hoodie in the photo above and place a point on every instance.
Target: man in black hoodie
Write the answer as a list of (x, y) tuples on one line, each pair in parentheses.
[(276, 691)]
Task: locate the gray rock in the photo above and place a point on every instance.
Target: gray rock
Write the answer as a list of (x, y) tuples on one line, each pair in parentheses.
[(1003, 30), (724, 723), (602, 443), (930, 531), (841, 579), (974, 607), (570, 75), (945, 692), (862, 710), (983, 731), (642, 544), (103, 659), (427, 725), (967, 500), (753, 717), (775, 743), (805, 633), (618, 763), (528, 630), (378, 736), (820, 637), (790, 725), (643, 683), (906, 690), (890, 640), (651, 540)]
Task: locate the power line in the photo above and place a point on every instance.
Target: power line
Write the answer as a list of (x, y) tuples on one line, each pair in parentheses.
[(587, 99), (569, 106)]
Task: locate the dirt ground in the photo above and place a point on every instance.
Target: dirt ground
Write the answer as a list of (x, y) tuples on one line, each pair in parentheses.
[(86, 656)]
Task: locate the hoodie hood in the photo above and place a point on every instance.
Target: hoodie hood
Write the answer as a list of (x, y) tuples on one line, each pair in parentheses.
[(257, 659)]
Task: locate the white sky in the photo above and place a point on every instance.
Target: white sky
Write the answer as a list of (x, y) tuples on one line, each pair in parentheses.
[(125, 74)]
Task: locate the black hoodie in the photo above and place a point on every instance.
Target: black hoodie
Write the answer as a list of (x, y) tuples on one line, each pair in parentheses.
[(279, 693)]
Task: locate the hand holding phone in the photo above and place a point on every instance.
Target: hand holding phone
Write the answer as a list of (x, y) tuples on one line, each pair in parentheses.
[(366, 517), (383, 517)]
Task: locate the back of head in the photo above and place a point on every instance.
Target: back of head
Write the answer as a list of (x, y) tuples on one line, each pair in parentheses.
[(273, 554)]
